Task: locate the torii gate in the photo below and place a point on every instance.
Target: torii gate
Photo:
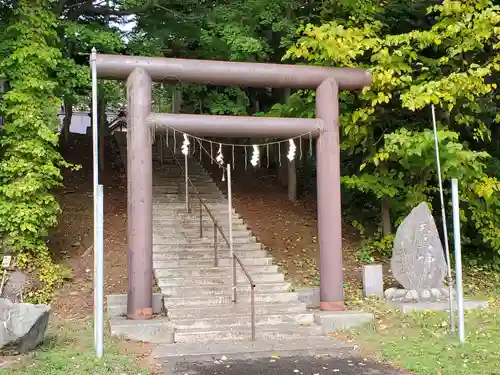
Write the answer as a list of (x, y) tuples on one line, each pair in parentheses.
[(141, 71)]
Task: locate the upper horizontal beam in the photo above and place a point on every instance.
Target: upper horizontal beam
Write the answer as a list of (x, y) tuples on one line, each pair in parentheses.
[(236, 126), (228, 73)]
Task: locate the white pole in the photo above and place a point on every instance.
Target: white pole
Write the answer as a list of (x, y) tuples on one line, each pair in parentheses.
[(99, 255), (458, 258), (95, 168), (230, 224), (443, 215)]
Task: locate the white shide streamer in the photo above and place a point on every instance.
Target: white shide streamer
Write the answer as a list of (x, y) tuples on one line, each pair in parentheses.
[(291, 150), (185, 145), (255, 156), (220, 158)]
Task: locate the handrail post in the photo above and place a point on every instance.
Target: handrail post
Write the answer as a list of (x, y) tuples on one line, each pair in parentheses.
[(252, 304), (187, 181), (161, 149), (201, 220), (216, 260), (234, 279), (230, 224)]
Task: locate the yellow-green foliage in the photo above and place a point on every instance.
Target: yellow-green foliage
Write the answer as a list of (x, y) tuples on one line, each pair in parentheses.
[(30, 163), (451, 64)]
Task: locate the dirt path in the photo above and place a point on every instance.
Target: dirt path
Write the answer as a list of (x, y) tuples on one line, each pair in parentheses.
[(72, 239)]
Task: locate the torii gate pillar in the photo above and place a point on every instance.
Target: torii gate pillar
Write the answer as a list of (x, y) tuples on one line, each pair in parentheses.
[(329, 201)]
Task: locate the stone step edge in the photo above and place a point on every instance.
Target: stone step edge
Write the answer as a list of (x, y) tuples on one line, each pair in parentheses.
[(286, 317), (175, 353), (281, 307), (224, 268), (246, 328), (241, 285), (173, 301), (116, 304)]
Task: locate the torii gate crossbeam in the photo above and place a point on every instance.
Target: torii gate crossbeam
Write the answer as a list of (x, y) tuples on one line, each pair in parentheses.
[(141, 71)]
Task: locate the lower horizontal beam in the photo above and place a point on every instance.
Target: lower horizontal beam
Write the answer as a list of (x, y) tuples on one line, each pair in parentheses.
[(236, 126)]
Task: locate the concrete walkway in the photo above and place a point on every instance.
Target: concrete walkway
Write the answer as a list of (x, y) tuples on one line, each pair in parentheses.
[(286, 366)]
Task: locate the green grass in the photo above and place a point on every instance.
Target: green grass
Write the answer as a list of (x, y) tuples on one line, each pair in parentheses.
[(68, 349), (421, 341)]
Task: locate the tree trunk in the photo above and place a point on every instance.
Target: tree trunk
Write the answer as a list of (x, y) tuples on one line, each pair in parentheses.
[(176, 101), (101, 128), (386, 217), (68, 115)]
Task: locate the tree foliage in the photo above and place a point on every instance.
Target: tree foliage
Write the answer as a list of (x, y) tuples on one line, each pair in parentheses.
[(30, 164), (452, 63), (424, 52)]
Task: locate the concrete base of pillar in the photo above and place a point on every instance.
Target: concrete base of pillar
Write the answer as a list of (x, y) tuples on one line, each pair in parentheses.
[(341, 320), (117, 305), (141, 314), (332, 305)]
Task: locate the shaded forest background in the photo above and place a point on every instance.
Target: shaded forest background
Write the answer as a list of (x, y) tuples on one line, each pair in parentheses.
[(420, 53)]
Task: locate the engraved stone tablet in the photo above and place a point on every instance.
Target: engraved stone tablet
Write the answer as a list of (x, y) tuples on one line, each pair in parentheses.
[(418, 261)]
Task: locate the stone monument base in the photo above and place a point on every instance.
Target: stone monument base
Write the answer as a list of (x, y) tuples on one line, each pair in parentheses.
[(441, 294), (408, 307)]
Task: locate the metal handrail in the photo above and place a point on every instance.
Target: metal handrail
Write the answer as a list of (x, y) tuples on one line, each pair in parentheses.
[(235, 258)]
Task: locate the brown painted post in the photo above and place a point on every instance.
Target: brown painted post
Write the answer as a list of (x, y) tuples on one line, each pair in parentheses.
[(329, 209), (140, 192)]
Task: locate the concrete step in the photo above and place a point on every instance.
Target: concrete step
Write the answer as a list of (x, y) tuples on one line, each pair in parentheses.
[(193, 226), (242, 320), (200, 312), (194, 217), (174, 179), (201, 183), (238, 247), (245, 349), (271, 332), (166, 169), (219, 208), (192, 160), (188, 219), (164, 211), (181, 204), (225, 262), (206, 255), (175, 195), (158, 167), (194, 233), (208, 291), (216, 280), (176, 239), (211, 271), (223, 250), (166, 179), (178, 192), (275, 297), (166, 173), (157, 331)]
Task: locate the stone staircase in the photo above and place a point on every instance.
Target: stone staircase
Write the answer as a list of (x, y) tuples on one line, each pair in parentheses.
[(197, 295), (197, 319)]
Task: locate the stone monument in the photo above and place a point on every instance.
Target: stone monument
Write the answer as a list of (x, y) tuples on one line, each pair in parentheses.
[(15, 286), (418, 261), (22, 326)]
